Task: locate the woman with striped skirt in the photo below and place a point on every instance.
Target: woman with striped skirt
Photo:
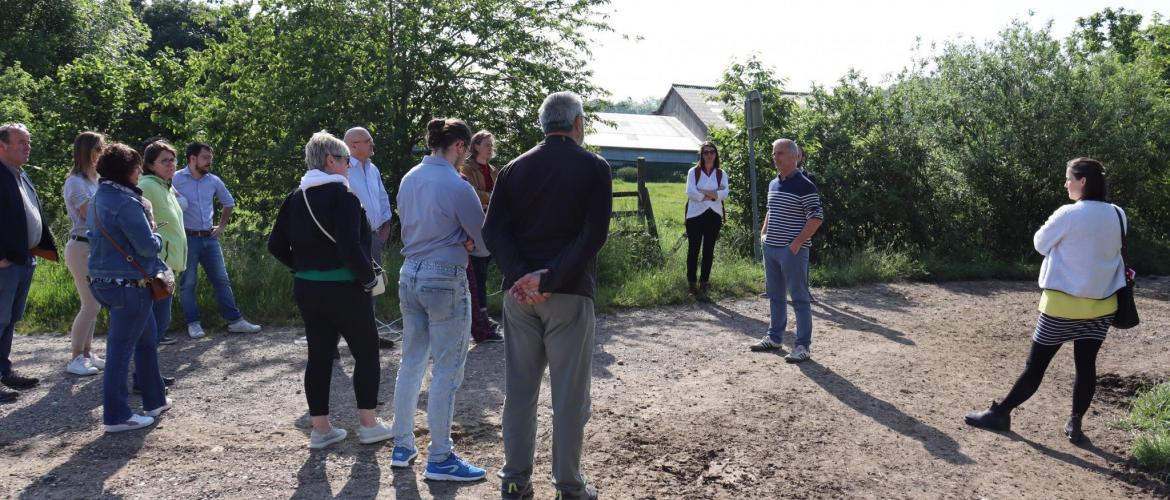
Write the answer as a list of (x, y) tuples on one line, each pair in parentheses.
[(1081, 273)]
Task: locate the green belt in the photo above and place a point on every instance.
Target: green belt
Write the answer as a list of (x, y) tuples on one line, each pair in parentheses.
[(339, 274)]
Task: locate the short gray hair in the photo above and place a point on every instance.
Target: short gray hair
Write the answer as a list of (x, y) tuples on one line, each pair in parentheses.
[(788, 143), (559, 110), (320, 145)]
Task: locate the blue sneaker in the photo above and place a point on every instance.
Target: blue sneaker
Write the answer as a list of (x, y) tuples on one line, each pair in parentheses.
[(401, 456), (453, 469)]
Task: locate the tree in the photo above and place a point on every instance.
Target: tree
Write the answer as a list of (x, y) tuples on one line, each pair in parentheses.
[(299, 66), (1110, 29), (182, 25)]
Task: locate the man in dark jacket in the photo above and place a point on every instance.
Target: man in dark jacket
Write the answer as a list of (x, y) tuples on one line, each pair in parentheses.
[(24, 233), (547, 220)]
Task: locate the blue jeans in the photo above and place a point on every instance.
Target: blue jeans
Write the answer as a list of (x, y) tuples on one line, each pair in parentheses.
[(206, 251), (162, 321), (15, 281), (787, 275), (131, 334), (436, 318)]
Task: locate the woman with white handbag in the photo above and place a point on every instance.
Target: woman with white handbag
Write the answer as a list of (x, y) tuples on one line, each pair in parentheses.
[(322, 234)]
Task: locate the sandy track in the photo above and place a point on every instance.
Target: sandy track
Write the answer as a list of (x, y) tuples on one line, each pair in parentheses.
[(680, 410)]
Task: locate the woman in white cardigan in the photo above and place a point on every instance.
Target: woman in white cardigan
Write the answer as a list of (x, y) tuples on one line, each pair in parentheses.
[(706, 190), (1081, 273)]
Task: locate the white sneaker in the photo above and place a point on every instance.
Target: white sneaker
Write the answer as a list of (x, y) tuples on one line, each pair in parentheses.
[(159, 411), (799, 354), (318, 440), (378, 432), (97, 362), (136, 422), (195, 330), (243, 326), (80, 366)]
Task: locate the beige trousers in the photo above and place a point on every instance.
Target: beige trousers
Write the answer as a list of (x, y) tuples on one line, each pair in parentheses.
[(77, 260)]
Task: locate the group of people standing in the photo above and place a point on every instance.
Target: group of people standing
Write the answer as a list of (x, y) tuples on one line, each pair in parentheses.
[(133, 217), (542, 219)]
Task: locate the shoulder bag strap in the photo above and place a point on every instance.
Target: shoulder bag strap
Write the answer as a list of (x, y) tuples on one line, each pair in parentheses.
[(305, 195), (1124, 258), (129, 258)]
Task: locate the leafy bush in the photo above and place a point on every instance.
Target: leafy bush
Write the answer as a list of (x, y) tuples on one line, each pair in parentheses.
[(628, 174)]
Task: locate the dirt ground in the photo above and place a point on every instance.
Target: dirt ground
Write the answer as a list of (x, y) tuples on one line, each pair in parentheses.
[(681, 409)]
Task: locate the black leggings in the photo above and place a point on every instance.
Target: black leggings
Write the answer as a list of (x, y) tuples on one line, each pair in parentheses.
[(702, 231), (331, 309), (1085, 358)]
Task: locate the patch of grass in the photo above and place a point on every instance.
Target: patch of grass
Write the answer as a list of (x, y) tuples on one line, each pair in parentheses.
[(868, 266), (1150, 417)]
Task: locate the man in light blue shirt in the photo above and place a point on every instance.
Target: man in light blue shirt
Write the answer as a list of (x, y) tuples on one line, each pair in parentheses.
[(202, 188), (365, 182)]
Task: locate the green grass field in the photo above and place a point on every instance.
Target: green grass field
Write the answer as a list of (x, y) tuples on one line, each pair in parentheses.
[(633, 270)]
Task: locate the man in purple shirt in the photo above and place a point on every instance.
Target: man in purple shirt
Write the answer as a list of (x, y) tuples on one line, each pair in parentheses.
[(201, 188)]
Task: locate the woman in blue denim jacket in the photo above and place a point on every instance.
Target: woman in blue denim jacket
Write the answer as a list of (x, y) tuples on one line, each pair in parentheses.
[(119, 220)]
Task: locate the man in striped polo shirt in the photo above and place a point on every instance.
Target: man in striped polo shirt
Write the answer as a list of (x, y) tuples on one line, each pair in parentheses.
[(794, 214)]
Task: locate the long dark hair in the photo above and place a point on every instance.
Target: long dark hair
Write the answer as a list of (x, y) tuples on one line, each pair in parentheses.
[(1093, 173), (706, 145)]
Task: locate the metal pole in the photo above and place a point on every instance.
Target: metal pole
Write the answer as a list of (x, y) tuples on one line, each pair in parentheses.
[(751, 122)]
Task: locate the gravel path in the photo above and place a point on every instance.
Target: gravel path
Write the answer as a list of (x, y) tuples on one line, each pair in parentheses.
[(680, 410)]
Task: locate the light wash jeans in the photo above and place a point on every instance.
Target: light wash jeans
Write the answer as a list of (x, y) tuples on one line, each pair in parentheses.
[(787, 275), (206, 251), (436, 318)]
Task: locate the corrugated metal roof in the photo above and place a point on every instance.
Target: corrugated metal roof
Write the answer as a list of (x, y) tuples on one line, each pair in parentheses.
[(697, 98), (663, 133)]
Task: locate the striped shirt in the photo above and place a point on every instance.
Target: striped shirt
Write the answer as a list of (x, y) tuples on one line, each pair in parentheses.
[(791, 203)]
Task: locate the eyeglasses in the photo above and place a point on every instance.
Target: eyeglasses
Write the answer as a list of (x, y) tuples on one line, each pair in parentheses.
[(708, 151), (344, 158)]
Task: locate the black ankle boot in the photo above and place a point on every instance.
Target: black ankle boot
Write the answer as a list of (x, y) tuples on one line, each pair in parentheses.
[(993, 418), (1072, 429)]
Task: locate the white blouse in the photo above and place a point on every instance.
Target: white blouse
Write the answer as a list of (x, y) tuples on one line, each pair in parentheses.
[(696, 203)]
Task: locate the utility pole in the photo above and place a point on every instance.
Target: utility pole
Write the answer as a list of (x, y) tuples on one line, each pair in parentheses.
[(753, 120)]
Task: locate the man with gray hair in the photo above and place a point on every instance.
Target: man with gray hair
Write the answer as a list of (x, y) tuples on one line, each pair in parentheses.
[(365, 181), (24, 236), (547, 220), (794, 214)]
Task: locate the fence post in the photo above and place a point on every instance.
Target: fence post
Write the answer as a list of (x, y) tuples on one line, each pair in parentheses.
[(644, 199)]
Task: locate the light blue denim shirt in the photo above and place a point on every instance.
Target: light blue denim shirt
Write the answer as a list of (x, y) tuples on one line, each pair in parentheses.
[(439, 210), (199, 214), (120, 212)]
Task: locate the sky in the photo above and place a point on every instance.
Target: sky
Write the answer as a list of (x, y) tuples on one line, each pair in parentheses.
[(691, 41)]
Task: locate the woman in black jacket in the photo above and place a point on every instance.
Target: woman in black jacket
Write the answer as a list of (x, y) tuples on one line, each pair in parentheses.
[(321, 233)]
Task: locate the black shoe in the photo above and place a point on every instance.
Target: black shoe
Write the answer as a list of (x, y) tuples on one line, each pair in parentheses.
[(516, 491), (384, 343), (168, 381), (7, 396), (992, 418), (167, 340), (19, 383), (1072, 429), (692, 287), (494, 338), (589, 493)]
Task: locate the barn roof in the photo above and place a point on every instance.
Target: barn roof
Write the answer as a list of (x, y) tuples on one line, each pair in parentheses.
[(651, 132)]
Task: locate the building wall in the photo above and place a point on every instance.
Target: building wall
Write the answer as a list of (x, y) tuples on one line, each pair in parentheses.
[(674, 106), (661, 166)]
